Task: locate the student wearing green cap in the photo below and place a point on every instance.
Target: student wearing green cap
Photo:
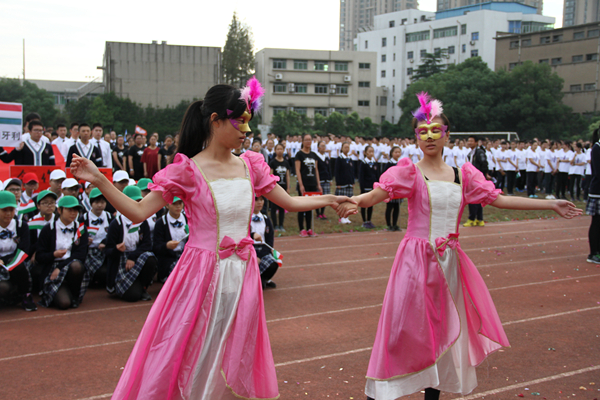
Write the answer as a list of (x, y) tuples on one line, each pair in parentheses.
[(62, 249), (131, 263), (97, 221), (170, 235), (143, 185), (14, 248), (45, 202)]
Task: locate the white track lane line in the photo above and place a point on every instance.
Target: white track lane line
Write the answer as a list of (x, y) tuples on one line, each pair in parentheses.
[(530, 383), (283, 364), (76, 313), (324, 313), (90, 346)]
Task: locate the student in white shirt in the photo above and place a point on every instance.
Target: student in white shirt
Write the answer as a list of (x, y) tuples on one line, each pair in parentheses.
[(62, 142), (510, 168), (588, 171), (103, 145), (563, 159), (576, 172), (521, 166), (460, 155), (448, 154), (533, 167), (550, 169)]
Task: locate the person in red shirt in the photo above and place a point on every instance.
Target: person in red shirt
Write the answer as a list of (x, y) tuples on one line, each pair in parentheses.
[(150, 158)]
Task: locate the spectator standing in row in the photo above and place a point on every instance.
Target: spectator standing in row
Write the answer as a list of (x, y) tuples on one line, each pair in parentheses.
[(533, 166), (280, 167), (593, 201), (103, 145), (344, 175), (83, 147), (119, 154), (62, 142), (324, 175), (576, 171), (477, 157), (392, 208), (150, 158), (307, 172), (563, 157), (368, 175), (134, 162), (166, 152)]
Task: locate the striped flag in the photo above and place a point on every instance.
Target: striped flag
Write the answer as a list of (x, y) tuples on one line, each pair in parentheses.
[(80, 230), (37, 223), (25, 208), (134, 228), (140, 130), (11, 124), (20, 256), (92, 230), (278, 258)]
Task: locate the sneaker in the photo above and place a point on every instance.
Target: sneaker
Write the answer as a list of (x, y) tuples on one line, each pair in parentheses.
[(469, 223), (479, 223), (28, 304), (595, 259), (371, 225), (145, 296), (270, 284), (364, 225), (535, 196), (323, 216), (345, 221), (75, 303), (311, 233), (281, 229), (303, 233)]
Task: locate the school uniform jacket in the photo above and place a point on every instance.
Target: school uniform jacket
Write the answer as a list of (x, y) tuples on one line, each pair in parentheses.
[(21, 238), (33, 236), (46, 246), (86, 220), (368, 175), (269, 238), (344, 171), (162, 235), (28, 156), (95, 156)]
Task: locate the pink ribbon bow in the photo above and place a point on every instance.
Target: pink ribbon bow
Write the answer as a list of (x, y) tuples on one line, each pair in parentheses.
[(228, 247), (442, 242)]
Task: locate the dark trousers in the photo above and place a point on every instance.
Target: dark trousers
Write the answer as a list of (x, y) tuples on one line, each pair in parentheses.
[(511, 177), (19, 278), (575, 186), (561, 185), (548, 182), (594, 235), (586, 186), (392, 211), (522, 179), (475, 212), (274, 210), (531, 183), (500, 179)]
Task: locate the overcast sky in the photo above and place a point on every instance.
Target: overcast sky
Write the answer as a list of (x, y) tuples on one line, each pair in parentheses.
[(64, 39)]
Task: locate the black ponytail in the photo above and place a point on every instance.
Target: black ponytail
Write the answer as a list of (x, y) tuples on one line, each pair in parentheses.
[(196, 132)]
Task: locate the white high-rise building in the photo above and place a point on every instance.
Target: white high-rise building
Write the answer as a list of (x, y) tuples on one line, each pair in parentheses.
[(463, 32)]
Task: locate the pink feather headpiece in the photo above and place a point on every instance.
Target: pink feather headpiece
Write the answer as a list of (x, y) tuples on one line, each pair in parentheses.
[(429, 108), (252, 95)]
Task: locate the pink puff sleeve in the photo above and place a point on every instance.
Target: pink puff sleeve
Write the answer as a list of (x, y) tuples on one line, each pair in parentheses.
[(260, 172), (477, 189), (176, 179), (399, 181)]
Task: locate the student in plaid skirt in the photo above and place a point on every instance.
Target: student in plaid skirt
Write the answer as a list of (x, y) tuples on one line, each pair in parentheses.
[(392, 208), (14, 246), (324, 175), (96, 221), (170, 236), (344, 176), (45, 202), (62, 249), (131, 263), (261, 231)]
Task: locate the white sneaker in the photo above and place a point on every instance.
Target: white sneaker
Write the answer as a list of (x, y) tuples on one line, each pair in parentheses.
[(346, 221), (550, 197)]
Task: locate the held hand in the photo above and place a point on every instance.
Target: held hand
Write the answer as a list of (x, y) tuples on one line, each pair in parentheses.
[(129, 264), (83, 169), (172, 244), (121, 247), (60, 253), (346, 209), (566, 209), (101, 246), (257, 237), (90, 240), (54, 274)]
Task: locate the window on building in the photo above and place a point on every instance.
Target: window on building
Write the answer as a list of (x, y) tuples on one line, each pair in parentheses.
[(392, 24), (383, 73), (417, 36), (383, 58), (301, 88), (300, 64), (410, 55), (445, 32), (364, 84), (591, 57), (463, 29), (437, 50), (512, 66), (363, 103), (394, 57), (578, 35), (364, 65), (589, 86), (556, 61), (575, 88), (474, 53), (277, 110), (514, 44), (464, 48), (341, 89), (393, 73), (279, 64), (394, 40), (474, 35), (341, 66), (594, 33), (451, 49), (343, 111), (544, 61), (279, 87), (366, 44), (300, 110), (557, 38), (383, 42), (526, 42), (409, 71), (545, 39), (383, 101), (578, 58), (423, 53), (320, 89), (404, 20), (322, 111)]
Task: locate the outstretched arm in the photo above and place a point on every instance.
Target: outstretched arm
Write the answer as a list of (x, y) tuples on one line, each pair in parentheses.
[(365, 200), (564, 208), (137, 212), (300, 203)]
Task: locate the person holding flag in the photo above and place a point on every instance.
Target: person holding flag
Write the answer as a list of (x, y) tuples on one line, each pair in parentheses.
[(131, 263), (263, 234), (46, 205), (170, 236), (14, 249), (61, 250), (33, 150)]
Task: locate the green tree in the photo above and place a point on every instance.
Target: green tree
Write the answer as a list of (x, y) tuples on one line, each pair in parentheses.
[(335, 124), (290, 123), (433, 63), (238, 53), (31, 96), (354, 125)]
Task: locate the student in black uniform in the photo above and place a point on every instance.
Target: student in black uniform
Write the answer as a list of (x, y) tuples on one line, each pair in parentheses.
[(392, 208), (85, 148), (14, 249), (119, 155), (96, 221), (170, 236), (32, 151), (324, 175), (261, 231), (344, 175), (62, 248), (281, 168), (45, 202), (306, 166), (368, 174), (131, 263)]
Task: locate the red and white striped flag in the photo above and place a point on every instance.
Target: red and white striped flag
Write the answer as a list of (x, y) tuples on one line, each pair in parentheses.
[(20, 256), (140, 130), (11, 124)]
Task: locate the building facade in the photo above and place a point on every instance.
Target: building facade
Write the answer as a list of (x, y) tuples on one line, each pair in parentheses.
[(160, 74), (443, 5), (67, 91), (571, 52), (461, 32), (578, 12), (359, 16), (320, 82)]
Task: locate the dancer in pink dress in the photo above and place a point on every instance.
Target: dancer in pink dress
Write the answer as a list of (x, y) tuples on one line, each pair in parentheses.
[(205, 337), (438, 320)]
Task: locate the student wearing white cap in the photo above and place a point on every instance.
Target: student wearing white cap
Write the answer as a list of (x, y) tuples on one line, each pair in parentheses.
[(121, 180), (56, 179), (70, 187)]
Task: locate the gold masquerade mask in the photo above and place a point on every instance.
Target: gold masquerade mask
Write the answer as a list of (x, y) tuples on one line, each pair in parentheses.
[(431, 131), (241, 126)]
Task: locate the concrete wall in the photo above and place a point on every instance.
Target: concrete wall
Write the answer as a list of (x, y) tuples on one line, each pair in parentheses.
[(160, 74)]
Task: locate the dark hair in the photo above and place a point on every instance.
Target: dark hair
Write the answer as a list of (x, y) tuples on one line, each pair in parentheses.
[(58, 126), (33, 123), (32, 116), (475, 138), (97, 125), (196, 124), (595, 135), (97, 198), (279, 144), (579, 145), (83, 125), (74, 124), (257, 141), (415, 122), (392, 150), (368, 147)]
